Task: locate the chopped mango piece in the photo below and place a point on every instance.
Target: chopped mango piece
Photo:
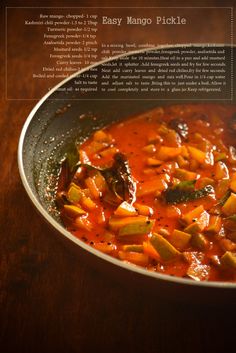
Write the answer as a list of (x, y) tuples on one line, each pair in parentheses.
[(100, 182), (230, 224), (198, 137), (133, 247), (150, 148), (214, 226), (143, 209), (164, 248), (73, 211), (153, 162), (193, 165), (199, 241), (151, 186), (221, 171), (229, 208), (183, 174), (97, 184), (180, 239), (104, 247), (164, 153), (163, 130), (199, 223), (87, 203), (150, 251), (193, 228), (74, 193), (134, 257), (202, 182), (90, 183), (204, 158), (182, 162), (83, 223), (184, 152), (149, 171), (229, 259), (227, 244), (164, 232), (197, 154), (153, 137), (221, 188), (136, 228), (204, 144), (108, 236), (115, 223), (172, 138), (168, 167), (125, 209), (232, 185), (192, 215)]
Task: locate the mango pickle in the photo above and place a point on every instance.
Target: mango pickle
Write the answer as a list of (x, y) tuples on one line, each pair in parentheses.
[(133, 247), (184, 174), (134, 257), (143, 209), (193, 215), (197, 154), (73, 211), (74, 193), (199, 241), (136, 228), (163, 247), (221, 171), (125, 209), (116, 222), (215, 225), (166, 153), (180, 239), (158, 190), (229, 207), (229, 259), (232, 185)]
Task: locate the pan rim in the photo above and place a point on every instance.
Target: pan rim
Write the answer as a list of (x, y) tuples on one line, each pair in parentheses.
[(126, 266)]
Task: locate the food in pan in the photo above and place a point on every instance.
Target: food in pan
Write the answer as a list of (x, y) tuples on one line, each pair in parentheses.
[(159, 191)]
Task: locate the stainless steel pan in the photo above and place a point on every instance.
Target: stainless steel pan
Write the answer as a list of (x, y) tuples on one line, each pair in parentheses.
[(62, 117)]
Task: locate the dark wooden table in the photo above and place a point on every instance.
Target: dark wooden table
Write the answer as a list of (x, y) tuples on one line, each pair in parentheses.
[(53, 301)]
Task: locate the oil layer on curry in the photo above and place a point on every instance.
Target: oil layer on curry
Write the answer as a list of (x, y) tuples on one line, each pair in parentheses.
[(159, 191)]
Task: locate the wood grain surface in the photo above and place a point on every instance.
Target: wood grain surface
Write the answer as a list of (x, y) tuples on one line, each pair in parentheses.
[(51, 300)]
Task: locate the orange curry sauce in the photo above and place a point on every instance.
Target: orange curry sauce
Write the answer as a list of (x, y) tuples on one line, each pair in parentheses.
[(184, 147)]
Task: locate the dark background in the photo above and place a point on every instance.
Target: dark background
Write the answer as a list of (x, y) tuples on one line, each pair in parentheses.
[(51, 300)]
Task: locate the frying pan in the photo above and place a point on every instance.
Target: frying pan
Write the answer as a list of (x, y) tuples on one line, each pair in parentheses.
[(67, 114)]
